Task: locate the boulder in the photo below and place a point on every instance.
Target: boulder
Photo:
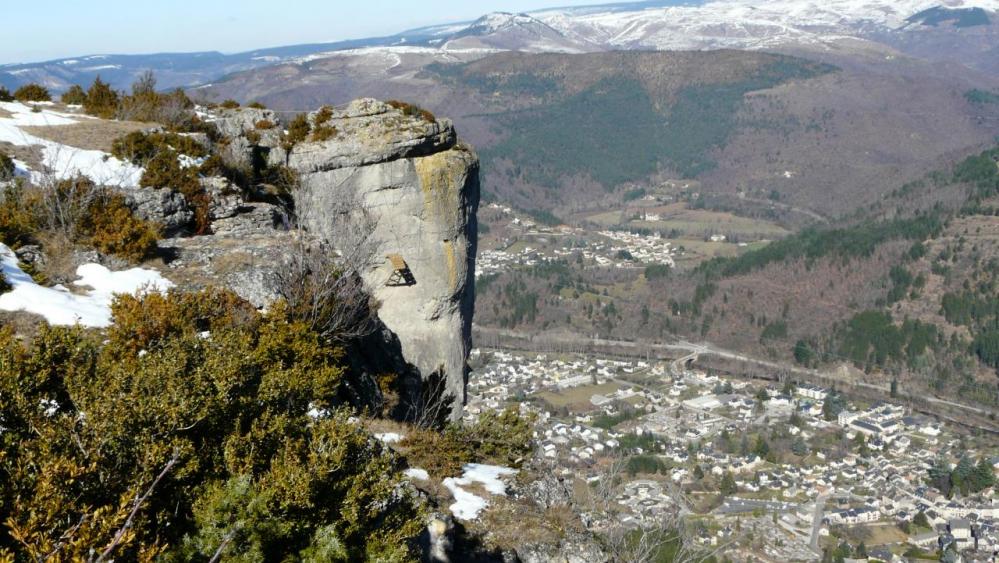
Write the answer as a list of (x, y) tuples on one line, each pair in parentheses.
[(163, 206), (226, 199), (404, 186)]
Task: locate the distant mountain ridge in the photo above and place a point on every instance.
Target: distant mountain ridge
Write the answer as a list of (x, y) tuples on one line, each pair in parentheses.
[(969, 28)]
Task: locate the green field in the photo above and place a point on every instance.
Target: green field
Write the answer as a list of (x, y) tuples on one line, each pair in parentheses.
[(577, 398)]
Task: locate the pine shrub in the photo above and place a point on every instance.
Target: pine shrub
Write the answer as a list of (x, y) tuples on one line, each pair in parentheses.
[(248, 475), (112, 228), (102, 101), (139, 147), (75, 96), (32, 93), (18, 215), (256, 105), (322, 133), (5, 95), (164, 171), (229, 104)]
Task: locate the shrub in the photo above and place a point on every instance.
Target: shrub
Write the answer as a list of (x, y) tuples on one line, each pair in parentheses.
[(6, 166), (298, 131), (5, 95), (256, 105), (110, 227), (323, 133), (412, 110), (18, 216), (246, 472), (324, 114), (441, 453), (229, 104), (164, 171), (32, 93), (101, 100), (139, 147), (75, 96), (4, 284), (264, 124)]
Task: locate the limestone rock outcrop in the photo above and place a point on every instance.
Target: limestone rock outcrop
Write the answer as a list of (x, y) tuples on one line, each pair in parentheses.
[(403, 185)]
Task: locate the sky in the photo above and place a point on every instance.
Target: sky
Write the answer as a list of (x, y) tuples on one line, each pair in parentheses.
[(52, 29)]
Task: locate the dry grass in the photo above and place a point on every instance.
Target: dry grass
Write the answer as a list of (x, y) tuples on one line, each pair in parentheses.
[(89, 134), (30, 155)]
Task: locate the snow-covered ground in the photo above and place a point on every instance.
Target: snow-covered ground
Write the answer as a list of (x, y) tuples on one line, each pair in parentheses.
[(61, 307), (468, 505), (62, 160)]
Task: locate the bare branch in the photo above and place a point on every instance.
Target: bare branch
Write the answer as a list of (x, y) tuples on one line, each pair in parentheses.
[(139, 501)]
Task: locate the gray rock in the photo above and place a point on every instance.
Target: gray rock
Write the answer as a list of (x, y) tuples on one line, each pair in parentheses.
[(419, 191), (242, 254), (369, 132), (239, 121), (163, 206), (31, 254), (225, 197), (549, 491), (575, 547)]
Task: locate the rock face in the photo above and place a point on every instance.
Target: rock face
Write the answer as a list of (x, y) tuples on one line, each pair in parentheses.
[(398, 184)]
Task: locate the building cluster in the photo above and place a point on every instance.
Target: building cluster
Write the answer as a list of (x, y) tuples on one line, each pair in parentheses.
[(866, 465)]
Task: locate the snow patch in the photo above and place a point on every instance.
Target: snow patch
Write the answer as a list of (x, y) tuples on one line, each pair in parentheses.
[(60, 307), (63, 160), (467, 506), (389, 437), (417, 473)]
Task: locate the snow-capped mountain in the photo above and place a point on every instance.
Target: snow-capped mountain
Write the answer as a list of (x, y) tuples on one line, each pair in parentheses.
[(752, 24), (963, 30), (519, 32)]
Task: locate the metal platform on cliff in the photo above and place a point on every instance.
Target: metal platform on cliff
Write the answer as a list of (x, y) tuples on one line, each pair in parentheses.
[(401, 274)]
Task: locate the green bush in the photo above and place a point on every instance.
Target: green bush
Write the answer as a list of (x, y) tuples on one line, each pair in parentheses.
[(223, 419), (75, 96), (164, 171), (101, 100), (229, 104), (110, 227), (32, 93), (139, 147), (256, 105), (5, 95)]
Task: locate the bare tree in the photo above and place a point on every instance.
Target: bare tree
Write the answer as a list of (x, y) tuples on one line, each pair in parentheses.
[(321, 279), (642, 540)]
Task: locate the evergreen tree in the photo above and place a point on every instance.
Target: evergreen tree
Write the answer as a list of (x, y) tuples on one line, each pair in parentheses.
[(728, 486), (75, 96), (101, 100)]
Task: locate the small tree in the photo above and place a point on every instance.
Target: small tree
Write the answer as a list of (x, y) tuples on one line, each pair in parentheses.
[(5, 95), (32, 93), (101, 100), (728, 486), (75, 96)]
